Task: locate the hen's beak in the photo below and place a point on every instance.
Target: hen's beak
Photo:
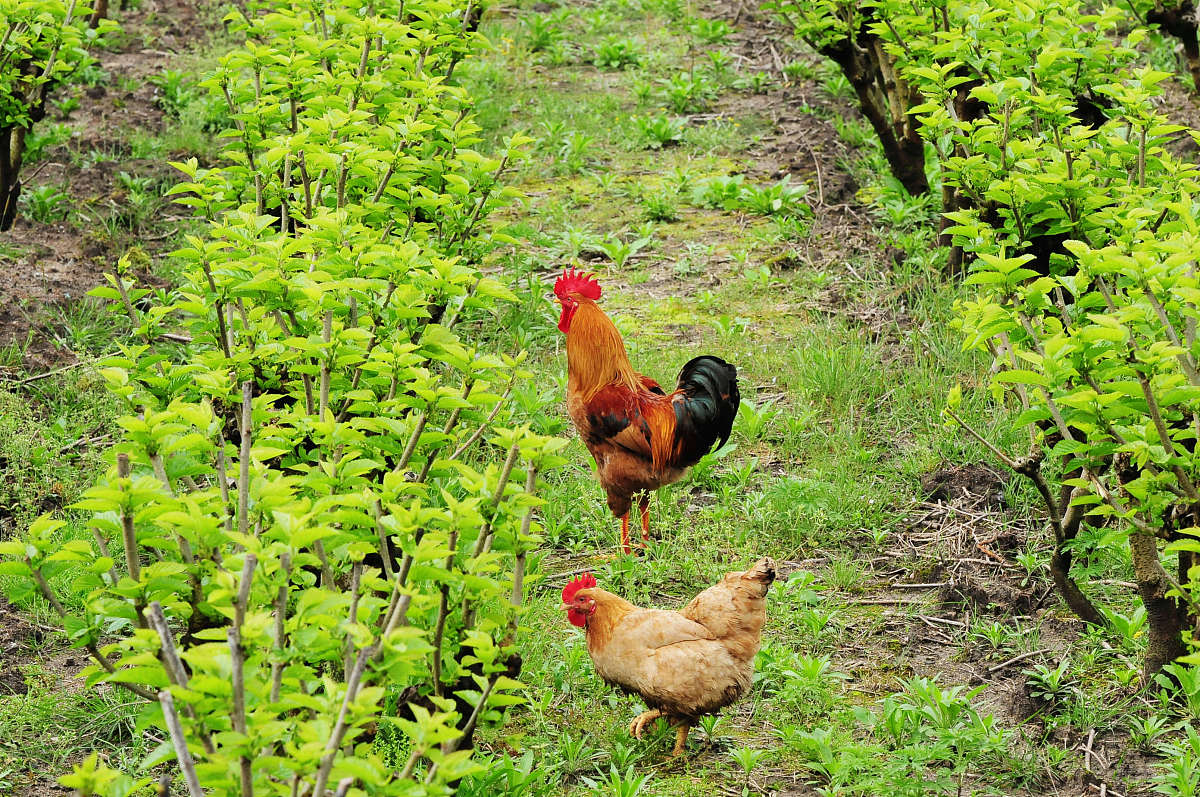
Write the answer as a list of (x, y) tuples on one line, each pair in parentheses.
[(565, 607)]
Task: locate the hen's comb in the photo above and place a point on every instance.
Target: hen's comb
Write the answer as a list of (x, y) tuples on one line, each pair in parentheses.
[(586, 581), (573, 281)]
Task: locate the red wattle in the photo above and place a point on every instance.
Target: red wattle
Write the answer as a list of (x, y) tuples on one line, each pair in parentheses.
[(564, 320), (576, 618)]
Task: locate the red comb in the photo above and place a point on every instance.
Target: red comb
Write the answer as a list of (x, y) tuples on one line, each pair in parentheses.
[(586, 581), (573, 281)]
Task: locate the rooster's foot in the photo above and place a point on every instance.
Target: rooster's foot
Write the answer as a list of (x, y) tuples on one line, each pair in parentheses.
[(638, 726)]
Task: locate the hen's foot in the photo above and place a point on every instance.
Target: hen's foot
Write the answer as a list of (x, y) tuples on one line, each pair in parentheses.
[(638, 726), (681, 734)]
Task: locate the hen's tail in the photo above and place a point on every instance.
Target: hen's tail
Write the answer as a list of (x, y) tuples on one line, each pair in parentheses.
[(710, 403), (762, 572)]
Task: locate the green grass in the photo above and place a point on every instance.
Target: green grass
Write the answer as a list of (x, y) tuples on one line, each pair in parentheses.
[(58, 722)]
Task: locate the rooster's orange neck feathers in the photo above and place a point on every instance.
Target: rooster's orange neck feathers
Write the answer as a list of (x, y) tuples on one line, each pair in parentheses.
[(596, 354)]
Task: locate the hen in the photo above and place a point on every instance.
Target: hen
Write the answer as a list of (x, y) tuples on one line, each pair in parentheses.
[(683, 664), (640, 436)]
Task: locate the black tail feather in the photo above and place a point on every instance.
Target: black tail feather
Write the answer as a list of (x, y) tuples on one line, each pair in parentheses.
[(707, 413)]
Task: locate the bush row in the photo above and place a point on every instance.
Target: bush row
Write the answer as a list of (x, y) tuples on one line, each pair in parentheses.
[(309, 551), (1063, 192)]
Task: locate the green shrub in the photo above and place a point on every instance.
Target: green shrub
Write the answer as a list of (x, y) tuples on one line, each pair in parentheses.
[(316, 521)]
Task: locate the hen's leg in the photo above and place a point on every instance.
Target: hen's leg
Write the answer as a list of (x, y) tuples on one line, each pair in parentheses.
[(681, 734), (625, 533), (645, 503), (638, 726)]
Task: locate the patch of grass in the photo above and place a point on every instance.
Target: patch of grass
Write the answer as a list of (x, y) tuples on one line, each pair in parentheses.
[(57, 722)]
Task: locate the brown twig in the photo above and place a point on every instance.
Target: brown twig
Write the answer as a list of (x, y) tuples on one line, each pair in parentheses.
[(1016, 659), (179, 742)]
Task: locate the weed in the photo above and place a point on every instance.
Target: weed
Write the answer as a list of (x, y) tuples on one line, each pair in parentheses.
[(1053, 686), (575, 151), (615, 53), (541, 31), (855, 132), (719, 67), (659, 207), (642, 90), (1183, 681), (748, 759), (836, 85), (1145, 732), (684, 92), (659, 131), (618, 785), (782, 199), (46, 203), (619, 252), (711, 31), (44, 138), (797, 71), (757, 83)]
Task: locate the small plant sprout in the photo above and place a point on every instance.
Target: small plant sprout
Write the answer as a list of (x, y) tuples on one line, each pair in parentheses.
[(756, 83), (712, 31), (617, 785), (575, 150), (708, 724), (659, 208), (1053, 686), (748, 759), (1128, 628), (659, 131), (720, 66), (730, 327), (623, 755), (620, 252), (615, 53), (642, 90), (684, 92), (1145, 732), (1184, 681), (46, 203), (995, 633), (542, 32), (753, 420)]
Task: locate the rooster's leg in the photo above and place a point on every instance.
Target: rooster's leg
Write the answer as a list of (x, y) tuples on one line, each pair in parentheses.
[(638, 726), (625, 533), (645, 503), (681, 734)]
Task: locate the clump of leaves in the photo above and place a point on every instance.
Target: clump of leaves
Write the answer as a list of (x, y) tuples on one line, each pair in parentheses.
[(47, 203), (658, 206), (616, 53), (711, 31), (659, 131), (542, 32), (685, 92), (732, 192)]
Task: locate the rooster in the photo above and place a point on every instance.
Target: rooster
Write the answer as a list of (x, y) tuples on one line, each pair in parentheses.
[(683, 664), (640, 436)]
